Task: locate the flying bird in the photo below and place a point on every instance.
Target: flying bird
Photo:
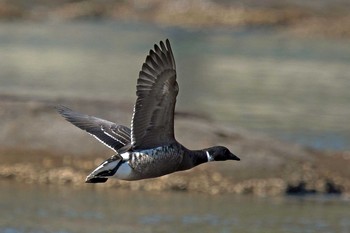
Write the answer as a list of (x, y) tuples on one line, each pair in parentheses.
[(147, 149)]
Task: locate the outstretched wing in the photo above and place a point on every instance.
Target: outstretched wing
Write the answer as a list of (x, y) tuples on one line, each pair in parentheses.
[(116, 137), (153, 119)]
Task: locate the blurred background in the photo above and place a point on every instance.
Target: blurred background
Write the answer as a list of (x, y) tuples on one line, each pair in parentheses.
[(268, 79)]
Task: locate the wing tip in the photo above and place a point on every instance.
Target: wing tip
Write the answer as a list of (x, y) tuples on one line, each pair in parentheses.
[(63, 111), (167, 42), (161, 45)]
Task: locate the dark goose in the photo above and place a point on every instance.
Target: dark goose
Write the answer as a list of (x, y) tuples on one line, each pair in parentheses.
[(149, 149)]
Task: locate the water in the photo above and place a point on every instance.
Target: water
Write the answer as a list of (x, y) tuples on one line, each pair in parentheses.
[(39, 209), (294, 89)]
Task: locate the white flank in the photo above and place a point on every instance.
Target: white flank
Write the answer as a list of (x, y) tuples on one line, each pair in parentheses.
[(123, 172), (125, 156)]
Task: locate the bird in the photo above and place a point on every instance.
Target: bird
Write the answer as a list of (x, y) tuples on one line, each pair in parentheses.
[(148, 149)]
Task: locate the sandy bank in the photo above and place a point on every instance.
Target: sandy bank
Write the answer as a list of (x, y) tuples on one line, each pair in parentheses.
[(38, 146), (305, 19)]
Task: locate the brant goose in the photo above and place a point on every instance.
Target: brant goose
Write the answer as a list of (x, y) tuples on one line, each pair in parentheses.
[(149, 149)]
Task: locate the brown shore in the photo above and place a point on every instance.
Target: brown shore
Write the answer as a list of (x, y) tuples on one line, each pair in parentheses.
[(326, 18), (38, 146)]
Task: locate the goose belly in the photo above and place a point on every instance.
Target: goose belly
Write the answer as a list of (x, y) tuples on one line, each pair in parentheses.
[(150, 163)]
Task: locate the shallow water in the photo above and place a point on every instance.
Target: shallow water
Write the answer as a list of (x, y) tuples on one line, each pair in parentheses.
[(39, 209), (295, 89)]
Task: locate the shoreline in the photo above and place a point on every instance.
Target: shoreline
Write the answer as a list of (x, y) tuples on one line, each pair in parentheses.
[(207, 179), (305, 20), (49, 151)]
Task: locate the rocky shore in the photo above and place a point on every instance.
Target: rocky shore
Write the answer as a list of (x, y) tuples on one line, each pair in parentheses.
[(38, 146), (303, 19)]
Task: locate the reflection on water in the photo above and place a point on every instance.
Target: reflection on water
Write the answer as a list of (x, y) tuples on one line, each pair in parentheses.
[(64, 209), (296, 89)]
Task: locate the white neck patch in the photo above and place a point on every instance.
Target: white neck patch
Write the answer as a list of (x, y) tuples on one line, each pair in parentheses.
[(209, 157)]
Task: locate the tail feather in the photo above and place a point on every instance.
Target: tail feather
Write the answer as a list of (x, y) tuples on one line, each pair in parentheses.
[(107, 168), (96, 179)]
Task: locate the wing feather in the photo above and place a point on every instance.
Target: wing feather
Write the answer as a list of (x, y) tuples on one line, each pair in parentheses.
[(153, 119), (110, 134)]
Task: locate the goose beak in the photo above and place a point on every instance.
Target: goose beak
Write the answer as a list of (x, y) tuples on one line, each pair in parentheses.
[(234, 157)]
